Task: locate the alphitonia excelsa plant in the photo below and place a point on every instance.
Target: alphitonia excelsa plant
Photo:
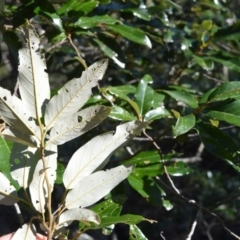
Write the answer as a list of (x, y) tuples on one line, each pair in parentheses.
[(37, 125)]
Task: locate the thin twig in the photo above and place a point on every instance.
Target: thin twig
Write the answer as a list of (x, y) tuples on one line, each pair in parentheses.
[(163, 162), (195, 204), (81, 60), (161, 234), (194, 224), (213, 79)]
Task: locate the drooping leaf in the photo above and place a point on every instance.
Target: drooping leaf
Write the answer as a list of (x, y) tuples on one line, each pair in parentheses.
[(8, 194), (85, 160), (227, 111), (78, 214), (23, 159), (136, 233), (121, 114), (78, 124), (94, 187), (110, 52), (89, 22), (74, 94), (16, 136), (78, 6), (33, 78), (26, 232), (178, 169), (182, 96), (141, 13), (15, 114), (131, 33), (144, 95), (226, 90), (38, 187), (218, 143), (126, 219), (123, 95), (184, 124), (157, 113)]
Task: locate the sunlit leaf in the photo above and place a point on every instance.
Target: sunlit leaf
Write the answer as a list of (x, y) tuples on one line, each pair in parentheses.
[(136, 233), (94, 187), (74, 94), (121, 114), (184, 124)]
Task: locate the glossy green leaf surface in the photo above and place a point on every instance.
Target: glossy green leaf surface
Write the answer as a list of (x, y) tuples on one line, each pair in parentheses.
[(144, 95), (136, 233), (218, 143), (157, 113), (5, 149), (178, 169), (141, 13), (226, 90), (78, 6), (60, 171), (228, 111), (183, 125), (121, 114), (132, 34), (182, 96), (89, 22)]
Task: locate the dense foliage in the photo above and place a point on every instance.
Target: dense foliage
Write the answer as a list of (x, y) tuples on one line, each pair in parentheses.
[(174, 65)]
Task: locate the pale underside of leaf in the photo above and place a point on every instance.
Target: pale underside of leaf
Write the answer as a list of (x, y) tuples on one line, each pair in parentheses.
[(78, 214), (96, 151), (78, 124), (74, 94), (16, 136), (8, 194), (26, 232), (33, 79), (15, 114), (22, 162), (94, 187), (38, 186)]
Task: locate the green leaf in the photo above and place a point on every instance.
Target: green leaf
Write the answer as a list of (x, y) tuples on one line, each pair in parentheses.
[(157, 113), (146, 158), (226, 90), (78, 6), (141, 13), (205, 96), (90, 22), (121, 114), (228, 33), (228, 111), (150, 170), (122, 95), (182, 96), (109, 52), (136, 233), (137, 183), (60, 171), (5, 150), (184, 124), (218, 143), (132, 34), (158, 99), (144, 95), (178, 169), (206, 64)]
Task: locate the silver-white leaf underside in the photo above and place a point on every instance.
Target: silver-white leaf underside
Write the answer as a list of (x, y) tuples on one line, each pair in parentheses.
[(77, 124), (16, 136), (94, 187), (78, 214), (74, 94), (26, 232), (15, 114), (91, 155), (8, 194), (38, 186), (23, 160), (33, 79)]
